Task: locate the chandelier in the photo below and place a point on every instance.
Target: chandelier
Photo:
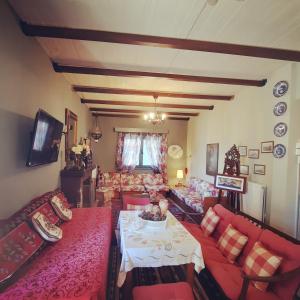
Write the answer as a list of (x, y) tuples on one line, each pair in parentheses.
[(96, 132), (155, 117)]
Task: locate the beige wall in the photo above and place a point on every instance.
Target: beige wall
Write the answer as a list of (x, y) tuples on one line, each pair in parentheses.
[(248, 120), (104, 151), (27, 83)]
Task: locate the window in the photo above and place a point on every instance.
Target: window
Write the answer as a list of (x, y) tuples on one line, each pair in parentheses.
[(144, 158), (150, 151)]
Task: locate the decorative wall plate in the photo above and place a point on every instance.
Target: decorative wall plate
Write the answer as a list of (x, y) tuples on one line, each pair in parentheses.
[(279, 151), (280, 129), (175, 151), (280, 88), (280, 108)]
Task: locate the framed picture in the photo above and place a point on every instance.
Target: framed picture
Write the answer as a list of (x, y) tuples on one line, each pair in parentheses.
[(212, 156), (260, 169), (244, 169), (243, 150), (253, 153), (267, 147), (231, 183)]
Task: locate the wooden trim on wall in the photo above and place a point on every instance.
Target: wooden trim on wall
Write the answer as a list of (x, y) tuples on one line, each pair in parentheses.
[(120, 91), (180, 77), (158, 41), (133, 116), (138, 111), (147, 104), (139, 130)]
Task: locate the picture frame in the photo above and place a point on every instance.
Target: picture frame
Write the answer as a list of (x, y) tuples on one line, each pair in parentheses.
[(267, 147), (259, 169), (253, 153), (244, 169), (212, 157), (231, 183), (243, 150)]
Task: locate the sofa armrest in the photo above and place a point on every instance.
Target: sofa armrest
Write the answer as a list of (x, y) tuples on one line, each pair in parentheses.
[(275, 278)]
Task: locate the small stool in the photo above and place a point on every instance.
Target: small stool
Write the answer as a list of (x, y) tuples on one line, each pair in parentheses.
[(165, 291)]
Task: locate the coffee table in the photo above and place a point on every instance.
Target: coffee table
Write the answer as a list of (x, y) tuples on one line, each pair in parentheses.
[(142, 246)]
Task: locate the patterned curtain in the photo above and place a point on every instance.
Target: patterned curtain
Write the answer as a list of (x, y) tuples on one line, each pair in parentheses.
[(162, 166), (128, 150)]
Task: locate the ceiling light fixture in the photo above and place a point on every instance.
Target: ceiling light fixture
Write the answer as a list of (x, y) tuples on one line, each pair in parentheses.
[(96, 132), (155, 117)]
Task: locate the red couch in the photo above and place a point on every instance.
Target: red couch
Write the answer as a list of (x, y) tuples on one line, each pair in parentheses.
[(75, 267), (229, 276)]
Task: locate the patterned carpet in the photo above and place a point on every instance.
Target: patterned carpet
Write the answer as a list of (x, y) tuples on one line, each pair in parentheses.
[(150, 276)]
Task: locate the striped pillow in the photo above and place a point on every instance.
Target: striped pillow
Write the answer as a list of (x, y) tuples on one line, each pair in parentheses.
[(61, 210), (45, 228), (261, 262), (231, 243)]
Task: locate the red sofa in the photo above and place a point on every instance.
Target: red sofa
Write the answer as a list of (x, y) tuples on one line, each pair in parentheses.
[(75, 267), (230, 276)]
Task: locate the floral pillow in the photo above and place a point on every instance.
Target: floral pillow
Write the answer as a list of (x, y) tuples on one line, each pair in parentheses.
[(60, 208), (45, 228)]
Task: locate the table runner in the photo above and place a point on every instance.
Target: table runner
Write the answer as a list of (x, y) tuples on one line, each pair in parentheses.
[(142, 246)]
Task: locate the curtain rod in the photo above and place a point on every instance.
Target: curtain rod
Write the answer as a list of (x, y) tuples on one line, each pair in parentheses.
[(139, 130)]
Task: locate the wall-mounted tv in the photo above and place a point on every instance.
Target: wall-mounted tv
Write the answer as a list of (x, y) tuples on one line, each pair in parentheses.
[(45, 141)]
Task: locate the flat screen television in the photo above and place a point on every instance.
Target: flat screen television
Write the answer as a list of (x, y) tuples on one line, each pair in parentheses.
[(45, 140)]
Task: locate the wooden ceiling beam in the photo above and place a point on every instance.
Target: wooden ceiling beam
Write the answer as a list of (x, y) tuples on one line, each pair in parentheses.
[(179, 77), (139, 111), (133, 116), (158, 41), (147, 104), (120, 91)]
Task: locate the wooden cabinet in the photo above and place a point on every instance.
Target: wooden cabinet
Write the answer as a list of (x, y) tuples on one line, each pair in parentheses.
[(79, 186)]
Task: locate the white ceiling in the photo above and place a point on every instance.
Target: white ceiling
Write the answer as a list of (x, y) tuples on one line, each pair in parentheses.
[(271, 23)]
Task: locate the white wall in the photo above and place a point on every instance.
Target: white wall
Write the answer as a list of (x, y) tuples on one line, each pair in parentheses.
[(249, 120), (27, 83)]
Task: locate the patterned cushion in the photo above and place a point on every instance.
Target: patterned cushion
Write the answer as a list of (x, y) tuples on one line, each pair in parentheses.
[(76, 266), (61, 210), (261, 262), (209, 222), (131, 179), (231, 243), (46, 210), (45, 228), (16, 248), (157, 188), (153, 179), (64, 199), (133, 188)]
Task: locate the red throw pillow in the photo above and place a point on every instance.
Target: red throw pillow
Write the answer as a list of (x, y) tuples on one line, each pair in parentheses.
[(231, 243), (209, 222), (261, 262), (16, 248)]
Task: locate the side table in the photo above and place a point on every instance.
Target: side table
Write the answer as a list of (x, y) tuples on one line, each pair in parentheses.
[(105, 195)]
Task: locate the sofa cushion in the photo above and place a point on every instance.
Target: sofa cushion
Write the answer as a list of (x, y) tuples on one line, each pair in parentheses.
[(75, 266), (111, 178), (226, 217), (153, 179), (48, 231), (16, 248), (47, 211), (157, 188), (209, 222), (250, 230), (133, 188), (61, 209), (231, 243), (290, 254), (229, 278), (131, 179), (261, 262)]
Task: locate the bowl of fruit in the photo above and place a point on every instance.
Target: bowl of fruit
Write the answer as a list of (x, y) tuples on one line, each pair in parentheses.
[(155, 216)]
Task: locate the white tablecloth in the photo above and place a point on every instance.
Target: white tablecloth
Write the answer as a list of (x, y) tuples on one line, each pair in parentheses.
[(142, 246)]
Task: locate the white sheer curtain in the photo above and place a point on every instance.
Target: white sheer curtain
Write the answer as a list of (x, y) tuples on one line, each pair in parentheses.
[(131, 150), (152, 144)]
